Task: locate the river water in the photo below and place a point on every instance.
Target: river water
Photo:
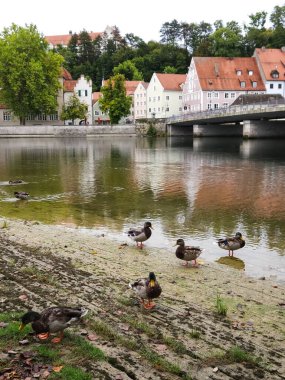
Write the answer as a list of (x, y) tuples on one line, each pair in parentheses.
[(199, 190)]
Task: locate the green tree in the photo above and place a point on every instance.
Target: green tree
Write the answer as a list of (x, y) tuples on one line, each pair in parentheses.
[(170, 70), (29, 72), (74, 109), (129, 70), (114, 101)]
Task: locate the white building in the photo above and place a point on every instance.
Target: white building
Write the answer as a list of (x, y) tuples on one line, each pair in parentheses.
[(271, 63), (164, 95), (140, 101)]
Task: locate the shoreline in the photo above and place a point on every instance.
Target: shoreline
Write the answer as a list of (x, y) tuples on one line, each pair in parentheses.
[(95, 271)]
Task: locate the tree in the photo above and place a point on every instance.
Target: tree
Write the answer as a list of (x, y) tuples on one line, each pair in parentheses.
[(129, 70), (29, 72), (114, 100), (74, 109)]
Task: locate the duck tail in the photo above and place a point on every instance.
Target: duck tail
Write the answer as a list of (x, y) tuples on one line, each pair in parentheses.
[(84, 312)]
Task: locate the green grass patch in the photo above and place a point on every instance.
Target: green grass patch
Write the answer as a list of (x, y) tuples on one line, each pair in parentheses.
[(71, 373), (195, 334), (221, 306), (39, 275), (238, 355), (48, 354), (175, 345)]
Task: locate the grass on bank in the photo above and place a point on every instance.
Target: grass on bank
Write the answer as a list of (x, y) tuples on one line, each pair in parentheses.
[(73, 354)]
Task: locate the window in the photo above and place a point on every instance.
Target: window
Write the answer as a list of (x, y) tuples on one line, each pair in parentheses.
[(53, 116), (233, 95), (225, 105), (180, 97), (167, 109), (254, 84), (30, 117), (149, 99), (250, 72), (158, 98), (86, 92), (279, 85), (242, 84), (96, 112), (42, 116), (271, 85), (227, 95), (149, 110), (180, 109), (6, 115), (79, 92), (209, 106), (238, 72), (167, 97), (216, 106), (274, 74)]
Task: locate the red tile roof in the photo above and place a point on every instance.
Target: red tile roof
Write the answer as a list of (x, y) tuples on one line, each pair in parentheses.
[(270, 60), (66, 74), (220, 73), (68, 85), (65, 38), (171, 82)]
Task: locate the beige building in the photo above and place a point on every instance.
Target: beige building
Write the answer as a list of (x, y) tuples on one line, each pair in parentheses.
[(140, 101)]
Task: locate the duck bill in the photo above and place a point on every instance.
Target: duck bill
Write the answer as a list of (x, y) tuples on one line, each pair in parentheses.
[(22, 326), (152, 283)]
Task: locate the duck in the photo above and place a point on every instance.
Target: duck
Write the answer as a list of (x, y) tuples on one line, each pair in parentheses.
[(187, 253), (15, 181), (231, 244), (52, 320), (21, 195), (141, 234), (147, 289)]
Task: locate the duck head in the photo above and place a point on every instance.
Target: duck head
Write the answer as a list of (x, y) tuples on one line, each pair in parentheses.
[(152, 279), (238, 235), (180, 242), (148, 225), (29, 317)]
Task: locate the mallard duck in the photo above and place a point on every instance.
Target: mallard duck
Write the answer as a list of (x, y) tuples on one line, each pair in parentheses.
[(21, 195), (52, 320), (140, 235), (231, 244), (187, 253), (15, 181), (147, 289)]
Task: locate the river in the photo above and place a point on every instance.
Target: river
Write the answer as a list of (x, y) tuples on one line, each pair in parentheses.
[(196, 189)]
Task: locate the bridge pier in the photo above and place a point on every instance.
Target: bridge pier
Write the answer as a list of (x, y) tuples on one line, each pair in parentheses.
[(217, 130), (253, 129), (173, 130)]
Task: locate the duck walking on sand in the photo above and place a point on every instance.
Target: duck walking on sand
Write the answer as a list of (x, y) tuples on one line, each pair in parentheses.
[(147, 289), (231, 244), (21, 195), (141, 234), (52, 320), (187, 253)]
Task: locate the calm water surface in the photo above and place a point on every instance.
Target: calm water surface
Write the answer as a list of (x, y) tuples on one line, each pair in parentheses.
[(199, 190)]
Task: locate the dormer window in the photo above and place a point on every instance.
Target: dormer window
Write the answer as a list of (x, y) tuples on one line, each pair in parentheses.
[(238, 72), (254, 84), (250, 72), (274, 74), (242, 84)]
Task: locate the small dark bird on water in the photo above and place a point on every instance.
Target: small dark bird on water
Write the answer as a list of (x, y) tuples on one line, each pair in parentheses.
[(139, 235), (21, 195)]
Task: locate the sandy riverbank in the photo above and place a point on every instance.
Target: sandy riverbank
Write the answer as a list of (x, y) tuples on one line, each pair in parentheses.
[(56, 265)]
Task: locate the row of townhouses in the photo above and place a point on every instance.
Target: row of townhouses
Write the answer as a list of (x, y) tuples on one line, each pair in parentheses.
[(211, 83)]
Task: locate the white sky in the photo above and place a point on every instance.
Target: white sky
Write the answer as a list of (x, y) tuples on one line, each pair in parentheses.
[(142, 18)]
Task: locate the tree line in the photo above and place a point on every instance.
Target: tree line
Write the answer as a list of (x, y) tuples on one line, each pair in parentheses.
[(179, 41)]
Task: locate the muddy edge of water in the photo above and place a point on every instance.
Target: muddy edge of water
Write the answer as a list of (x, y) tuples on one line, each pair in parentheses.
[(94, 271)]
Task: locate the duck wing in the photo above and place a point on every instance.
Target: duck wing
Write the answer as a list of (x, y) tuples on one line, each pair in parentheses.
[(61, 317), (140, 287), (192, 253)]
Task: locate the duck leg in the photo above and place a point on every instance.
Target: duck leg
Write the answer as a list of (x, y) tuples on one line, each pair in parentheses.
[(149, 305), (58, 339)]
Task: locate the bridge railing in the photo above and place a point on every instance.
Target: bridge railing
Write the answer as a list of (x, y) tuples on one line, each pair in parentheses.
[(227, 111)]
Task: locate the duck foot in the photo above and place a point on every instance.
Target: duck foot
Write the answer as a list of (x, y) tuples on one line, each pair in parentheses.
[(57, 339), (43, 336)]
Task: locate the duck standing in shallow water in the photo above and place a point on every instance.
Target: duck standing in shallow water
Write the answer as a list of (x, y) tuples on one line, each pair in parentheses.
[(52, 320), (140, 235), (21, 195), (147, 289), (231, 244), (187, 253)]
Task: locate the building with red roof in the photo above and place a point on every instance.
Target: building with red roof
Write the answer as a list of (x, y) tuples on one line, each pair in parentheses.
[(215, 82), (271, 64)]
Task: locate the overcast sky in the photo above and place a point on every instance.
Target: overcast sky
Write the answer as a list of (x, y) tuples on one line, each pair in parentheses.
[(142, 18)]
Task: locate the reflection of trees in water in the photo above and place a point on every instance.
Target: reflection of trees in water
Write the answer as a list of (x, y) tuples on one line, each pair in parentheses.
[(204, 183)]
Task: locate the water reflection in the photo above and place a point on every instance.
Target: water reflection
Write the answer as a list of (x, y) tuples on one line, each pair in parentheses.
[(197, 189)]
